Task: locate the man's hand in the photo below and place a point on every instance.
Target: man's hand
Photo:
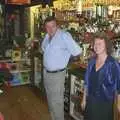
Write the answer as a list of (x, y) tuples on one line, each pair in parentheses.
[(74, 58)]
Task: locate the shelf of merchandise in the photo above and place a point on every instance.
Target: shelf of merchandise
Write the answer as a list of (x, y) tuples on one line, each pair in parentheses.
[(76, 88), (17, 84), (20, 73), (37, 72), (16, 71), (66, 93)]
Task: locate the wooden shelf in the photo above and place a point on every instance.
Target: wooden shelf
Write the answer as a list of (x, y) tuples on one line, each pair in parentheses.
[(10, 60), (68, 21), (16, 71), (78, 65), (17, 84)]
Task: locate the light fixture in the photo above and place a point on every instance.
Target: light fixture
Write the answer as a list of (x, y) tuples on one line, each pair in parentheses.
[(110, 10), (79, 6)]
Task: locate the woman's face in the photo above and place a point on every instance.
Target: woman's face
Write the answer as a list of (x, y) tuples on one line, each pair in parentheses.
[(99, 46)]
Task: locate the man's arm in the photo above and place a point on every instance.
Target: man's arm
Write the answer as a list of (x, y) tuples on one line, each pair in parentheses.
[(72, 46)]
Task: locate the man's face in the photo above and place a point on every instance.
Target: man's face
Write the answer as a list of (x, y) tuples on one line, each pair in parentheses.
[(51, 27)]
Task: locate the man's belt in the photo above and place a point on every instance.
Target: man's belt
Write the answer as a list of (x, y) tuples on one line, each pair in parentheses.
[(56, 71)]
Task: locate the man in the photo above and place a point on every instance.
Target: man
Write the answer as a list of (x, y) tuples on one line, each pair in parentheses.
[(58, 46)]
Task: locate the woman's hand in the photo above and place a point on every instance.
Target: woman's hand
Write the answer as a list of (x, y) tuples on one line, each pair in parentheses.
[(118, 104), (118, 108), (83, 104)]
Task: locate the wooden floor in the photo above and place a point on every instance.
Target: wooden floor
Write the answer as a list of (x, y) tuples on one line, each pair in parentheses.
[(23, 103)]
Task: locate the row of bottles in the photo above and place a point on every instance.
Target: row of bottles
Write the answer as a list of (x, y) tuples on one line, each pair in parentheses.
[(116, 49), (66, 93), (1, 21)]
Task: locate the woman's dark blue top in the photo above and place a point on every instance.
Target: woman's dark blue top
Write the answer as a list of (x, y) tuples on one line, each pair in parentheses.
[(102, 84)]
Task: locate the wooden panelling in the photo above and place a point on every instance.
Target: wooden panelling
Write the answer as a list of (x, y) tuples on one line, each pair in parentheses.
[(18, 1)]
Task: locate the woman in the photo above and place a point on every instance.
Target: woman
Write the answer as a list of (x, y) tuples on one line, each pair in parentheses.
[(102, 81)]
